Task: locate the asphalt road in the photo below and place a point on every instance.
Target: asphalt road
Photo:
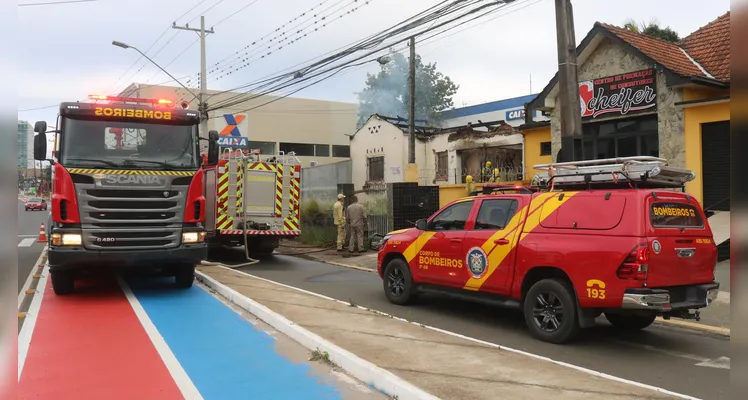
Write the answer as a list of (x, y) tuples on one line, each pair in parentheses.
[(28, 247), (659, 356)]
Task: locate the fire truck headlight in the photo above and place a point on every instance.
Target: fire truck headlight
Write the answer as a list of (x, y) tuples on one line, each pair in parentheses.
[(193, 237), (66, 239)]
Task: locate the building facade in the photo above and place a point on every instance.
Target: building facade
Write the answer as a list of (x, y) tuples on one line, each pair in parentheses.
[(25, 145), (379, 152), (512, 111), (641, 95), (316, 130)]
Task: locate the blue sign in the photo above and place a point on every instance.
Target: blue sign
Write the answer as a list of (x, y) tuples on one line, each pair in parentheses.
[(233, 141), (515, 114)]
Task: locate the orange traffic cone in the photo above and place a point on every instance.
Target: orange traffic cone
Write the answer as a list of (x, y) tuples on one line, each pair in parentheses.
[(42, 234)]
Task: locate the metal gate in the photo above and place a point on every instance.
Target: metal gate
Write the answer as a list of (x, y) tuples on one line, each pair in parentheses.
[(715, 156)]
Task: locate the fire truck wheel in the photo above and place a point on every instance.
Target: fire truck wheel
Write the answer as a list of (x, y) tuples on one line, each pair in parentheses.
[(551, 311), (398, 283), (630, 322), (184, 275), (63, 282)]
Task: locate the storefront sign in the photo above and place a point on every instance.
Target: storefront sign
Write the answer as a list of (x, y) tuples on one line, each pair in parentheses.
[(233, 141), (618, 94), (519, 113)]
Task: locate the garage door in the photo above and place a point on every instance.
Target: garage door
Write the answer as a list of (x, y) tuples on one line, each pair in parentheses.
[(715, 156)]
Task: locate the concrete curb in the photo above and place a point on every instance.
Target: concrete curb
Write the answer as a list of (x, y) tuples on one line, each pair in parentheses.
[(695, 326), (378, 378)]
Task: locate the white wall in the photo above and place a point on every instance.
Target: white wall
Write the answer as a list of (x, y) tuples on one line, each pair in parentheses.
[(379, 138)]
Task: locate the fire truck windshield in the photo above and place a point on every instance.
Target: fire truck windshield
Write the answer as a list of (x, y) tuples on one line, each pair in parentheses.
[(127, 145)]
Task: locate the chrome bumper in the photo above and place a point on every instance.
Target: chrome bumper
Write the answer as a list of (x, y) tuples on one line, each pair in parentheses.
[(661, 300)]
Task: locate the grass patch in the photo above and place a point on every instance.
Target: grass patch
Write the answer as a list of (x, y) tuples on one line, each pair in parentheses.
[(321, 356)]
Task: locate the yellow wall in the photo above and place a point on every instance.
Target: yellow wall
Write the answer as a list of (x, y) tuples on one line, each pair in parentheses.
[(533, 138), (694, 116)]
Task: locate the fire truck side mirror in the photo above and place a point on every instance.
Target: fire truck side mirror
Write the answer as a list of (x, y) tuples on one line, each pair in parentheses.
[(40, 146), (40, 126), (212, 147)]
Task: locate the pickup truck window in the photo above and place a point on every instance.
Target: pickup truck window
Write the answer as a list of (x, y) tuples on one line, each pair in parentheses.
[(495, 213), (453, 218), (675, 215)]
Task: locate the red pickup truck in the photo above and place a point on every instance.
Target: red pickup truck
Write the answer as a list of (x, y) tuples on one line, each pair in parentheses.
[(35, 203), (564, 258)]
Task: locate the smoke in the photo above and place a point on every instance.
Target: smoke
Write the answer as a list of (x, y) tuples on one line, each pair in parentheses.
[(386, 92)]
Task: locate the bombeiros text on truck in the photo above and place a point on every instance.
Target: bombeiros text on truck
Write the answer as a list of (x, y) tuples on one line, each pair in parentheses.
[(618, 237), (127, 188)]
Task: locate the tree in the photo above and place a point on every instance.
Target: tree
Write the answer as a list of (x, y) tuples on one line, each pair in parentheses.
[(652, 29), (387, 92)]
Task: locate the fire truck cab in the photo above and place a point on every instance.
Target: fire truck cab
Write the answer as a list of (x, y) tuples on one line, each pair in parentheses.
[(127, 188), (617, 237)]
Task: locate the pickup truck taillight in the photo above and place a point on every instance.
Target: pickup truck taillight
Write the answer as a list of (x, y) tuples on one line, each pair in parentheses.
[(635, 265)]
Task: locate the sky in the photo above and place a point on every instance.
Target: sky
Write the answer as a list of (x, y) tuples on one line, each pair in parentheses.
[(66, 53)]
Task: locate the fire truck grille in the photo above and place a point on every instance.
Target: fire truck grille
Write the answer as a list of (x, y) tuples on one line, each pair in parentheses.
[(131, 218)]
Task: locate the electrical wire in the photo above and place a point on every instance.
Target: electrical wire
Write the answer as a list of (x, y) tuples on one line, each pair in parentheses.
[(368, 42), (140, 57), (241, 98), (249, 57)]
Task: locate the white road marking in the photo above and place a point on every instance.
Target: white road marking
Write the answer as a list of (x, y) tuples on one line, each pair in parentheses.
[(24, 337), (721, 362), (702, 361), (483, 342), (183, 381), (28, 242), (27, 284)]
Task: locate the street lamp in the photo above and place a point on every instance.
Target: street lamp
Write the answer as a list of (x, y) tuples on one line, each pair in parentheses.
[(127, 46)]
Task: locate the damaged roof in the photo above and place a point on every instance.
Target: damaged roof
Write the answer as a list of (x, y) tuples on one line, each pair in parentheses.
[(496, 128)]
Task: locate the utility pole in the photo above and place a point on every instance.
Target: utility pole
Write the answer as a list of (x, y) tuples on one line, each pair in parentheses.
[(568, 98), (202, 97), (412, 111)]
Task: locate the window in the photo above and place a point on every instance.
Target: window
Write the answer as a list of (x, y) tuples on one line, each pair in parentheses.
[(375, 169), (495, 214), (264, 147), (453, 217), (341, 151), (322, 150), (441, 166), (300, 149), (674, 215), (545, 148), (620, 138)]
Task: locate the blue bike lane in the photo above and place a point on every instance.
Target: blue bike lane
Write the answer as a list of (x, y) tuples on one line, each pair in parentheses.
[(187, 343)]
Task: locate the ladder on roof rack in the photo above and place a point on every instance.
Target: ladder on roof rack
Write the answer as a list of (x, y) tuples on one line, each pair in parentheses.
[(621, 172)]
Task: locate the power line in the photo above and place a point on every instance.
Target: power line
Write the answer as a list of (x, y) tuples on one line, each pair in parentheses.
[(341, 67), (449, 9)]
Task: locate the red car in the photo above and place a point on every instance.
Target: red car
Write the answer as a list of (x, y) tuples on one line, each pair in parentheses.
[(36, 203)]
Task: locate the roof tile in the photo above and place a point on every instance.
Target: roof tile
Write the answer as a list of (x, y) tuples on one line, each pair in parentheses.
[(668, 54), (710, 47)]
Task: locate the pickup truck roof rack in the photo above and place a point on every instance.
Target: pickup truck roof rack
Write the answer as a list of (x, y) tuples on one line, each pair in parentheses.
[(489, 188), (612, 173)]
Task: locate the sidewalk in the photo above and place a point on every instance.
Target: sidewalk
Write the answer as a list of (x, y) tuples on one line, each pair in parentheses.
[(442, 364), (715, 318)]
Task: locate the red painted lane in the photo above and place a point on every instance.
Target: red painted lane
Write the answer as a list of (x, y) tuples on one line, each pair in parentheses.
[(90, 345)]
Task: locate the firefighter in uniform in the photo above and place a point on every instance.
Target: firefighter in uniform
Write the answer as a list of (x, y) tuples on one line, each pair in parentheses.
[(485, 172), (339, 220)]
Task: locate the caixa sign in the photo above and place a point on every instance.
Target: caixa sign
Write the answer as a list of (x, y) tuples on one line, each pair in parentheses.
[(233, 141), (515, 114)]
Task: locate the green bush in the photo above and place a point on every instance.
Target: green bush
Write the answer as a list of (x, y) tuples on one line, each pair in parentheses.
[(317, 226), (317, 235)]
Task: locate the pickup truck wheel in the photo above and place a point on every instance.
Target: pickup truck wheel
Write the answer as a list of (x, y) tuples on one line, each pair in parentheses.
[(398, 283), (630, 322), (63, 282), (551, 312), (184, 276)]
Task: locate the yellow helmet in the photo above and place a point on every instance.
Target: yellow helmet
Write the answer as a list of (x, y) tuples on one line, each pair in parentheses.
[(469, 179), (495, 171), (488, 163)]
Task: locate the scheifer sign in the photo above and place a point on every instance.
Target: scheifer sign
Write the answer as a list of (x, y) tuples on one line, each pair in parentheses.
[(619, 94)]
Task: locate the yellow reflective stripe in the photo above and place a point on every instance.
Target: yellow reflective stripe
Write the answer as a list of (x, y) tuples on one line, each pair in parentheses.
[(414, 248)]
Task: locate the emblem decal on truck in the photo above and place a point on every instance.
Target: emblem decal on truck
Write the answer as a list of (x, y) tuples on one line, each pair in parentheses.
[(137, 179), (477, 262)]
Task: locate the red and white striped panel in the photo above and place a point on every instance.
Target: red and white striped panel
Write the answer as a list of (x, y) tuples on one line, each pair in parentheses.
[(266, 233)]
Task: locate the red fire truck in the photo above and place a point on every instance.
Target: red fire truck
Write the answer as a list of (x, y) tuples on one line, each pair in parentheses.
[(127, 188), (252, 200)]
